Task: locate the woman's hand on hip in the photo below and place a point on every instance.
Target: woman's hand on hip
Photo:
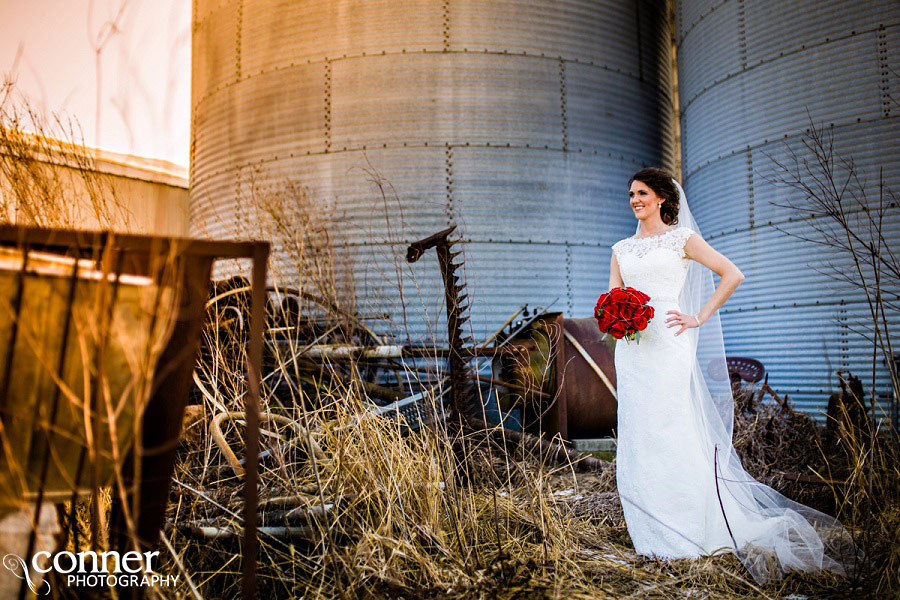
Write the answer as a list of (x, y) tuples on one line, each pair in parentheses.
[(681, 319)]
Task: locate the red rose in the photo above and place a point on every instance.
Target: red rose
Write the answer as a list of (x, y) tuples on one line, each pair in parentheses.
[(618, 295), (617, 330), (640, 323), (606, 321), (648, 312)]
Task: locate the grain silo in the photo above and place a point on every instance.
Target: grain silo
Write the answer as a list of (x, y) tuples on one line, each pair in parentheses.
[(518, 121), (753, 76)]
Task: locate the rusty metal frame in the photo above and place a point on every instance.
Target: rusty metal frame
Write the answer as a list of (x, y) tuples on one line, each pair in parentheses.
[(557, 342), (139, 251)]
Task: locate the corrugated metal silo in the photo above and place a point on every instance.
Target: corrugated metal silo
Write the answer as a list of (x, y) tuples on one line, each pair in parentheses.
[(518, 121), (753, 75)]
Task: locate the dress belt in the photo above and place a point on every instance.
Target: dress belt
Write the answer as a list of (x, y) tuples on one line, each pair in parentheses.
[(663, 299)]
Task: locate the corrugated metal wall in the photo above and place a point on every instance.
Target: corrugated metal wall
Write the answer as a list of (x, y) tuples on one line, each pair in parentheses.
[(751, 76), (518, 121)]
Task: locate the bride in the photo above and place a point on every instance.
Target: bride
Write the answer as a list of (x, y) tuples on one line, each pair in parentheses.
[(684, 492)]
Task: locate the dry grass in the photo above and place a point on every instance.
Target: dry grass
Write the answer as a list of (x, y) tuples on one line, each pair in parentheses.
[(47, 175), (410, 521)]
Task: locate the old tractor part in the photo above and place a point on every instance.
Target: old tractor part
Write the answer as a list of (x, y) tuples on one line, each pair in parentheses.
[(568, 373), (462, 397), (590, 379)]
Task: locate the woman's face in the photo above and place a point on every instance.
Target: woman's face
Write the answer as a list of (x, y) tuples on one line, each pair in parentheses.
[(644, 201)]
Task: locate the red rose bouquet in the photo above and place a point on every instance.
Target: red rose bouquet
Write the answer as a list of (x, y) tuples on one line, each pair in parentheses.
[(623, 313)]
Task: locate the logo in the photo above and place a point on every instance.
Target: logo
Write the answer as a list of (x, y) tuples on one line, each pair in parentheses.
[(90, 569), (15, 564)]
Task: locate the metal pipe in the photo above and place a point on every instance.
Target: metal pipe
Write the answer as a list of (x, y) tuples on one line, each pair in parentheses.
[(219, 533), (349, 351)]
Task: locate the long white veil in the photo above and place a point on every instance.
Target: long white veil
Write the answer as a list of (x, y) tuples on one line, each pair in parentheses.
[(771, 534)]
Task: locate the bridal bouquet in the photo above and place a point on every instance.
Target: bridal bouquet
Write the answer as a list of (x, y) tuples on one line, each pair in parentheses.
[(623, 312)]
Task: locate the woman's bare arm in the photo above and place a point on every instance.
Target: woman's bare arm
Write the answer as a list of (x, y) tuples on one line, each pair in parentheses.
[(615, 278), (698, 249)]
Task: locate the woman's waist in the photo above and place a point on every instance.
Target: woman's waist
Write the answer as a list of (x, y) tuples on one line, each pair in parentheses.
[(657, 295), (662, 299)]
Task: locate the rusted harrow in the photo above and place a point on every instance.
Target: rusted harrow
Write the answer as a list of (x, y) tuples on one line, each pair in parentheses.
[(461, 376)]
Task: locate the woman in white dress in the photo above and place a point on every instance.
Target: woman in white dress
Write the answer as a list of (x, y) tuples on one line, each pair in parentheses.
[(684, 492)]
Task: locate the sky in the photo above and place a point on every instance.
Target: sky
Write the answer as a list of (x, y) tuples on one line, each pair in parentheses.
[(132, 55)]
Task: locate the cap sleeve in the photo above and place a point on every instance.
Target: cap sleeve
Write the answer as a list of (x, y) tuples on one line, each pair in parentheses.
[(682, 234)]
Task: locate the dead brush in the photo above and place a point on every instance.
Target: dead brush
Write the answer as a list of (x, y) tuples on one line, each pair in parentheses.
[(48, 177), (865, 458)]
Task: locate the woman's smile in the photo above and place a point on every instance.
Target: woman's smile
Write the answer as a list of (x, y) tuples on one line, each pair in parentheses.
[(644, 202)]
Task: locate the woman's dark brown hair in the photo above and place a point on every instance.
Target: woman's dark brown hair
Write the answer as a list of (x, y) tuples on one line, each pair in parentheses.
[(661, 183)]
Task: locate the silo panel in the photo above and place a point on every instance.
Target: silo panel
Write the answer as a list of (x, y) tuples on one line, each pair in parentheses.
[(655, 52), (868, 144), (212, 208), (203, 8), (712, 46), (766, 256), (727, 179), (445, 98), (776, 28), (214, 57), (759, 106), (589, 274), (891, 54), (496, 194), (214, 121), (413, 206), (801, 348), (604, 34), (501, 277), (293, 102), (692, 13), (719, 198), (294, 32), (607, 114)]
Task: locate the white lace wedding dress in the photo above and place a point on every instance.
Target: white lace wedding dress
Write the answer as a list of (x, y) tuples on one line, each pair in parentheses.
[(683, 491), (662, 474)]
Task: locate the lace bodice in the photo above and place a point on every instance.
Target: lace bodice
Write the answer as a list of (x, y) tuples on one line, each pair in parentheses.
[(655, 265)]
